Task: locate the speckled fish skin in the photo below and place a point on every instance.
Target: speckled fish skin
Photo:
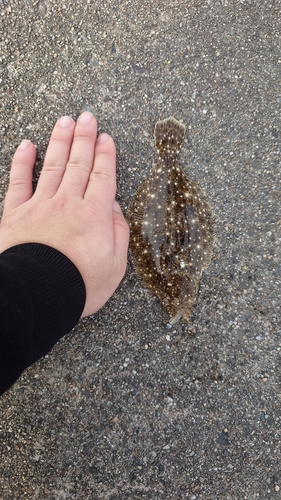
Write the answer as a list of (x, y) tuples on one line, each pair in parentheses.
[(171, 227)]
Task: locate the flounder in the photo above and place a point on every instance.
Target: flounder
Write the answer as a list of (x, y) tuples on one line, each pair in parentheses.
[(171, 227)]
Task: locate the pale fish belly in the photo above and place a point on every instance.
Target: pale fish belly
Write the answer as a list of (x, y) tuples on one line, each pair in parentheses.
[(171, 227)]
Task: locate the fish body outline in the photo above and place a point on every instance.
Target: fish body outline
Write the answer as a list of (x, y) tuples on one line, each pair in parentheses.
[(171, 226)]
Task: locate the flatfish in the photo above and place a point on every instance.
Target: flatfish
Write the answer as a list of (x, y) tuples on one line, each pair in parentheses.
[(171, 227)]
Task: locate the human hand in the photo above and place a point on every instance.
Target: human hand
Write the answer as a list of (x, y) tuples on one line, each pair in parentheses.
[(73, 208)]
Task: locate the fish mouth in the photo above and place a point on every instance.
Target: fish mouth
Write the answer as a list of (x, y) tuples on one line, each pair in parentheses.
[(175, 319), (182, 314)]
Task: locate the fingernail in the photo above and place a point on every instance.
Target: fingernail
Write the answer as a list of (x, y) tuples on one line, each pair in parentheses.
[(85, 118), (24, 145), (66, 122), (102, 138), (116, 207)]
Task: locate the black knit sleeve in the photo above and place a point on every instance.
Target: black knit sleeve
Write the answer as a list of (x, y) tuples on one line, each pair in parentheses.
[(42, 296)]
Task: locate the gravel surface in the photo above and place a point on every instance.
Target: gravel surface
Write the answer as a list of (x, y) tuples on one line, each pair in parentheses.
[(124, 407)]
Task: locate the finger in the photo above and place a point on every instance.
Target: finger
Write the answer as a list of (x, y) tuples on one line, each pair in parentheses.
[(81, 157), (20, 185), (56, 158), (101, 188), (121, 237)]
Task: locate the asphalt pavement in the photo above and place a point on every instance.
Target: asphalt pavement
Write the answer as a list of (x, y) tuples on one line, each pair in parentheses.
[(126, 407)]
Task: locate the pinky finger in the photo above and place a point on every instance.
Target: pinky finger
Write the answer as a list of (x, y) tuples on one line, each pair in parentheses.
[(121, 237), (20, 185)]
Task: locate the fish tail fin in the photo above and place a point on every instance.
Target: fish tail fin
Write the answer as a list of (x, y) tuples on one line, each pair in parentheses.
[(169, 136)]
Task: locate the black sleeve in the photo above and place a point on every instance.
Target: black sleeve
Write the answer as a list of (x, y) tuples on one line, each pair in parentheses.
[(42, 296)]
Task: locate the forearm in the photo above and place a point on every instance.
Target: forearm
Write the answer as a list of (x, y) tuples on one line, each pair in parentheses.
[(42, 296)]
